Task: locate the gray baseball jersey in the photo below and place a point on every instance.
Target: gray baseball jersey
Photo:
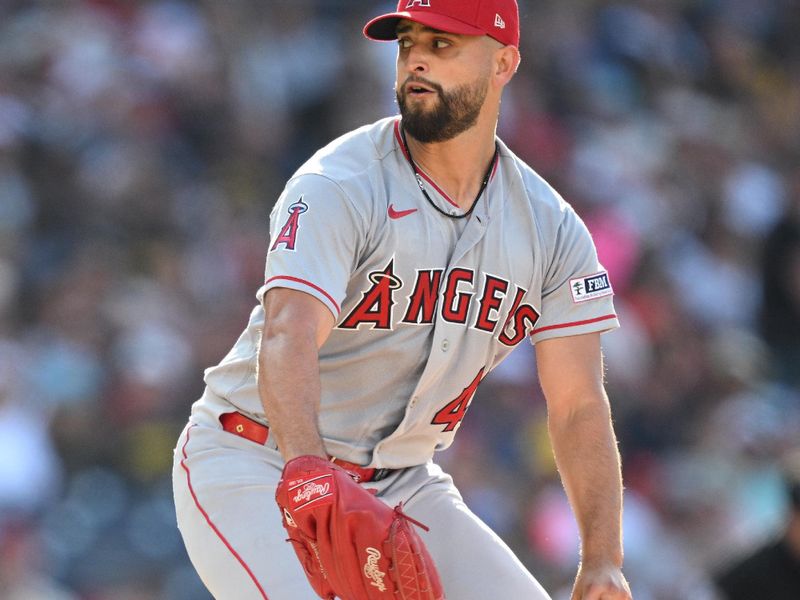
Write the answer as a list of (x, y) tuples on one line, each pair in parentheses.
[(425, 306)]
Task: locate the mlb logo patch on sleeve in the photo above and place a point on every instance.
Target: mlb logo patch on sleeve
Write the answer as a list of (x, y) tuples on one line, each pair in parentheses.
[(590, 287)]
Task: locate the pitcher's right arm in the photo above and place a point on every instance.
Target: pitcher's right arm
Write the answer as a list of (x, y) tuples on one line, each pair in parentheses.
[(295, 326)]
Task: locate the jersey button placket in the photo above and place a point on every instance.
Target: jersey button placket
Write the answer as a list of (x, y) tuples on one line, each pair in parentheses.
[(445, 345)]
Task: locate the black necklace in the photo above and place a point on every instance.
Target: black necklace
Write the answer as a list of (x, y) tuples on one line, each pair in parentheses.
[(422, 185)]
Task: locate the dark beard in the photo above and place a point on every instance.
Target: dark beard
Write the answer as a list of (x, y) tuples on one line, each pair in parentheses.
[(455, 112)]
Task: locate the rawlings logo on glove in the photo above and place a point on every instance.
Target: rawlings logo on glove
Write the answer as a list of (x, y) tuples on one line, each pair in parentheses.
[(315, 490), (352, 546), (372, 571)]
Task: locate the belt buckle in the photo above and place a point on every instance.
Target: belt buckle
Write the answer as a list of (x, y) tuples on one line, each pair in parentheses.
[(357, 472)]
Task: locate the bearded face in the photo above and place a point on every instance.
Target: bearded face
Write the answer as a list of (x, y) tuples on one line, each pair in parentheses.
[(437, 119)]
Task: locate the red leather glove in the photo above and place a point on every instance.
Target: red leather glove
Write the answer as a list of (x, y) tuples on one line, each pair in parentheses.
[(352, 546)]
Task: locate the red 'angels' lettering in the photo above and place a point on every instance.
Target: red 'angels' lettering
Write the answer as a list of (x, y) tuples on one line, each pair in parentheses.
[(490, 301), (377, 302), (423, 298), (454, 411), (453, 298), (288, 233), (522, 316), (457, 313)]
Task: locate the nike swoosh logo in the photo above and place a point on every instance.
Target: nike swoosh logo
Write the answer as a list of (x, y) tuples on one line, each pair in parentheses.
[(399, 214)]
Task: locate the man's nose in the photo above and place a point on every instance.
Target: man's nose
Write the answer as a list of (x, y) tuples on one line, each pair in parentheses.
[(417, 60)]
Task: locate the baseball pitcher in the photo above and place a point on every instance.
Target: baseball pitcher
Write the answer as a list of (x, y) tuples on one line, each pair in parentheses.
[(406, 260)]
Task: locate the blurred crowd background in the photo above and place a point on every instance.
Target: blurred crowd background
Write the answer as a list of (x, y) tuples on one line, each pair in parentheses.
[(143, 144)]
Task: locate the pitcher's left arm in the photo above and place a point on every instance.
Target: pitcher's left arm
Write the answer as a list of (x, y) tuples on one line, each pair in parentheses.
[(585, 448)]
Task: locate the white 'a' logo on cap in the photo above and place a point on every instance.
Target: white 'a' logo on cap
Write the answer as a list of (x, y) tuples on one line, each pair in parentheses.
[(422, 3)]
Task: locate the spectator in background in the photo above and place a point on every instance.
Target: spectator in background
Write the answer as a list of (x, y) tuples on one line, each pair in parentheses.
[(780, 313), (21, 574), (772, 571), (138, 141)]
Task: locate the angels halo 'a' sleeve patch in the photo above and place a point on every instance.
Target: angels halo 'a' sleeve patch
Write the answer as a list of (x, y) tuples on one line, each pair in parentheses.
[(590, 287)]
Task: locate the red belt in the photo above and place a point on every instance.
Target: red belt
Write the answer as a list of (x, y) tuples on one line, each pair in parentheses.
[(238, 424)]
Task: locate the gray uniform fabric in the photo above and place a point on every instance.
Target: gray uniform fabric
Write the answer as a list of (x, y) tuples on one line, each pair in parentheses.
[(387, 375), (425, 306)]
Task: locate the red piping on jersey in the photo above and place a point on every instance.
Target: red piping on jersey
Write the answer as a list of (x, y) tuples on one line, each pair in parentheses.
[(422, 173), (436, 187), (210, 523), (574, 324), (399, 138), (309, 284), (494, 168)]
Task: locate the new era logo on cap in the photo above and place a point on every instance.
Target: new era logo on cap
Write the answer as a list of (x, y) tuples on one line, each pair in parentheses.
[(498, 19)]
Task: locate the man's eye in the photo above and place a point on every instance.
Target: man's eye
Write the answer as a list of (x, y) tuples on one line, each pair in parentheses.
[(404, 43), (439, 44)]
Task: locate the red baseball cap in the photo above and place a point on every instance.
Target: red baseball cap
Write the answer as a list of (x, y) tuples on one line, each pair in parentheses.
[(498, 19)]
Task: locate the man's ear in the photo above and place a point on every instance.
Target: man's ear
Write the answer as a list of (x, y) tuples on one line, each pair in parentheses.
[(506, 63)]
